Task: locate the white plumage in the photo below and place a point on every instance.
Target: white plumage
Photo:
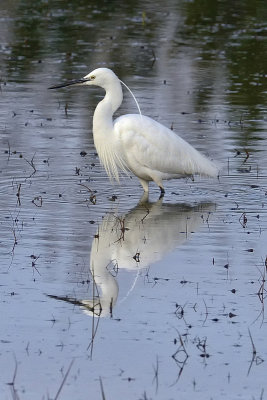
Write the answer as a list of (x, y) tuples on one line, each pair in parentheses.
[(137, 143)]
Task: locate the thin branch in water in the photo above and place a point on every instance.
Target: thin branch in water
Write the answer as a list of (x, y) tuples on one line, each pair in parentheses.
[(156, 374), (14, 393), (94, 328), (206, 314), (15, 240), (154, 59), (94, 331), (180, 357), (92, 195), (122, 228), (18, 195), (63, 381), (35, 258), (257, 359), (247, 156), (102, 389), (13, 229), (9, 151), (180, 312), (38, 201), (202, 347), (262, 292), (243, 220), (31, 163)]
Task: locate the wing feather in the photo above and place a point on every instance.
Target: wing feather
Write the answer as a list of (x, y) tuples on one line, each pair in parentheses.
[(158, 148)]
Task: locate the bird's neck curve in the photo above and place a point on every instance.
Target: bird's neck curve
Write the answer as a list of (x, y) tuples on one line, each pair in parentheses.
[(103, 130), (103, 115)]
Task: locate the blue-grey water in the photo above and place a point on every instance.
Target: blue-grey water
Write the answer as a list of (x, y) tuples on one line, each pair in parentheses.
[(159, 300)]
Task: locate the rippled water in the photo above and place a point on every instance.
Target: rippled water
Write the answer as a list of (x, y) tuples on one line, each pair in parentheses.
[(158, 300)]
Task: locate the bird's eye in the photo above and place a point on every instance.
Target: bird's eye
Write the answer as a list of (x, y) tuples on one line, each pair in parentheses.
[(92, 77)]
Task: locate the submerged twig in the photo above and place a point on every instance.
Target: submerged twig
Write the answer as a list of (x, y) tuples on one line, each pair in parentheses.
[(206, 313), (64, 380), (14, 393), (156, 374), (102, 389), (262, 291), (123, 228), (31, 163), (180, 357), (14, 232), (257, 359), (18, 195), (94, 328), (92, 195), (243, 220)]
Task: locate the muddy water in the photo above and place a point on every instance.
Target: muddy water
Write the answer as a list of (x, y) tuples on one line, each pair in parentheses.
[(161, 299)]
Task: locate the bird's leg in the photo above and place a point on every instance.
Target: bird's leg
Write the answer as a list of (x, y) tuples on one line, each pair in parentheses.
[(144, 199), (162, 191), (158, 181), (144, 184)]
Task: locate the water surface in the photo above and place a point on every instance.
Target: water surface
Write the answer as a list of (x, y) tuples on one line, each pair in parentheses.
[(160, 299)]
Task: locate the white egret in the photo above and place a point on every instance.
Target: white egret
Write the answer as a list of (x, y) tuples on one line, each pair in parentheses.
[(137, 143)]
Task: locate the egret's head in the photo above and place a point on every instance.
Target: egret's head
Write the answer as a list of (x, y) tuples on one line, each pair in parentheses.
[(102, 77)]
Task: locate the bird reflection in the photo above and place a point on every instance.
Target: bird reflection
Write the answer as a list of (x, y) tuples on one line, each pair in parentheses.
[(135, 241)]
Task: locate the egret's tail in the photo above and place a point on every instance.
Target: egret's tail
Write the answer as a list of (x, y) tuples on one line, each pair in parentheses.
[(207, 168)]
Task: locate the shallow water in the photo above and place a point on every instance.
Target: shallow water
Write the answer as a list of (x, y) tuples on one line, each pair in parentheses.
[(155, 300)]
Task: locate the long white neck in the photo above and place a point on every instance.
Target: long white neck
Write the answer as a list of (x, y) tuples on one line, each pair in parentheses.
[(102, 120), (109, 154)]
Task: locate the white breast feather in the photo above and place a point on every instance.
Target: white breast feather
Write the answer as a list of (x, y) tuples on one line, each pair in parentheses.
[(111, 159)]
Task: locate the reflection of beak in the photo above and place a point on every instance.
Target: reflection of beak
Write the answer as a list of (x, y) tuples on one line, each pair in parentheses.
[(89, 306), (74, 82)]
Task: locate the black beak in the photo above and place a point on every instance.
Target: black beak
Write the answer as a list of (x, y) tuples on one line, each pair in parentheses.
[(74, 82)]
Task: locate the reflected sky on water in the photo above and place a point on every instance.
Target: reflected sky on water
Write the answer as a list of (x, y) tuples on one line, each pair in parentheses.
[(195, 291)]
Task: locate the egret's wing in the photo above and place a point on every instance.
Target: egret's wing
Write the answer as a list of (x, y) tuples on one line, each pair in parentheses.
[(159, 148)]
